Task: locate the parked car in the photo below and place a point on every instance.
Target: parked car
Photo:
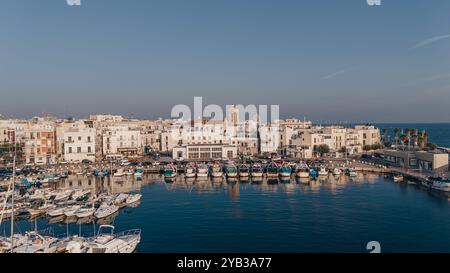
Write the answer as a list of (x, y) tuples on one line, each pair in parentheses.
[(86, 161)]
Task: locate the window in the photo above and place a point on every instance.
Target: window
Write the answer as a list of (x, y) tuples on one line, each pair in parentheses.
[(89, 149), (78, 149), (69, 139), (88, 139), (70, 150), (230, 154), (79, 138)]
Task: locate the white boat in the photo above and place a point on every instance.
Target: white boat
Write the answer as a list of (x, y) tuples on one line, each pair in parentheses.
[(244, 170), (257, 170), (351, 172), (85, 212), (216, 170), (302, 170), (119, 173), (108, 242), (322, 171), (121, 198), (80, 194), (105, 210), (81, 172), (189, 171), (5, 242), (57, 211), (439, 183), (36, 243), (132, 198), (71, 210), (40, 210), (63, 195), (202, 170), (337, 171), (398, 178)]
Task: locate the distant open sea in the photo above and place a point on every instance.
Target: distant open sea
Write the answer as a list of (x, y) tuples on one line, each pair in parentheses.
[(438, 133)]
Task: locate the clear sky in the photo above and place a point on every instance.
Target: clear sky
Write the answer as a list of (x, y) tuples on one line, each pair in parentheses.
[(328, 60)]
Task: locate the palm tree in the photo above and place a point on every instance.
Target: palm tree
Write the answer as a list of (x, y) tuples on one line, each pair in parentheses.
[(396, 130), (384, 135)]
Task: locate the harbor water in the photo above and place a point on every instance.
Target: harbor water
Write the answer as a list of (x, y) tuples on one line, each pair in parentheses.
[(329, 215)]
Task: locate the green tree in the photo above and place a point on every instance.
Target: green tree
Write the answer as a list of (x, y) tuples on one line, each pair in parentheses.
[(322, 149)]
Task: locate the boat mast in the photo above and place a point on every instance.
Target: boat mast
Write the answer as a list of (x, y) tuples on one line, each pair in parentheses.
[(12, 197)]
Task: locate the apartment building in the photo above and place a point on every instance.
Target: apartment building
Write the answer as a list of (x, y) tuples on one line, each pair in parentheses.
[(79, 144), (40, 143)]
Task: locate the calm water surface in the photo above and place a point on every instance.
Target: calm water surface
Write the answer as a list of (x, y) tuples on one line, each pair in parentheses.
[(333, 215)]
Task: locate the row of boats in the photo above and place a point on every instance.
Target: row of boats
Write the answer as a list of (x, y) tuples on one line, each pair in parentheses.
[(433, 182), (65, 202), (105, 241), (231, 170)]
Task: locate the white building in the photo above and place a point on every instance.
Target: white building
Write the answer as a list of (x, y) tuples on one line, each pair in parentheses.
[(79, 144), (122, 140), (203, 152)]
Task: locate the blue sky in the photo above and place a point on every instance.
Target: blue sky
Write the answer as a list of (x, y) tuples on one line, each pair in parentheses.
[(328, 60)]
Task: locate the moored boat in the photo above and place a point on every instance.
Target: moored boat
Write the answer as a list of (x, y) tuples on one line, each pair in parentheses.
[(272, 170), (170, 171), (285, 170), (302, 170), (257, 170), (202, 170), (189, 171), (216, 170), (231, 170), (243, 170)]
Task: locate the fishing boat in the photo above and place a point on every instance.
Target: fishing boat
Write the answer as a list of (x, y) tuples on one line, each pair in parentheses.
[(189, 171), (337, 171), (397, 178), (438, 183), (202, 170), (285, 170), (313, 173), (231, 170), (351, 172), (108, 242), (302, 170), (133, 198), (170, 171), (257, 170), (119, 173), (216, 170), (139, 172), (322, 171), (105, 210), (244, 170), (80, 172), (272, 170)]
